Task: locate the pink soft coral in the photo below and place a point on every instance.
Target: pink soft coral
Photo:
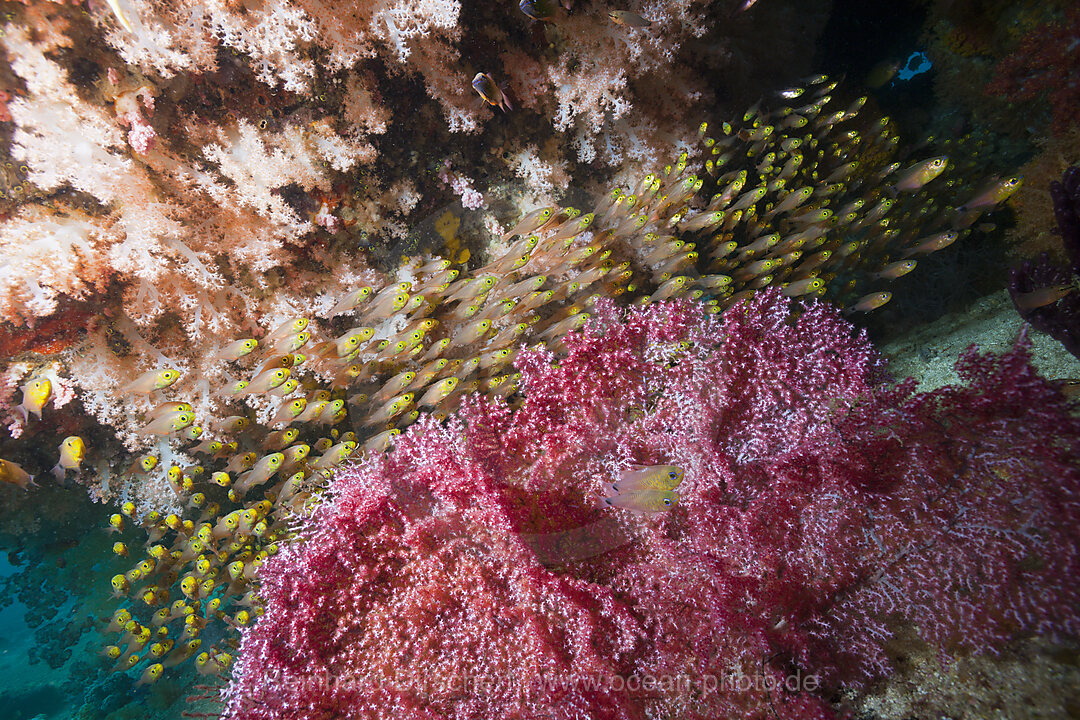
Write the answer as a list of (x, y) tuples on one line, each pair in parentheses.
[(472, 572)]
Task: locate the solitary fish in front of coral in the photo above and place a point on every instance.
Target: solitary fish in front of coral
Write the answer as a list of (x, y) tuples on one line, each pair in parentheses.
[(644, 501), (648, 477), (492, 94), (13, 474), (36, 393), (72, 452), (628, 19), (1042, 296)]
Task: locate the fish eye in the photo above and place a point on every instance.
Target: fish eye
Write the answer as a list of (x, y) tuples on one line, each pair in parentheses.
[(667, 501), (673, 474)]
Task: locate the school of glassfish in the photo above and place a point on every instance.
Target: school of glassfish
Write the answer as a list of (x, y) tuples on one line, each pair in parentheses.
[(809, 198)]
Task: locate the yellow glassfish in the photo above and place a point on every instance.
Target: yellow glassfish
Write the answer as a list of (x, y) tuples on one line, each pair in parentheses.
[(803, 287), (265, 381), (351, 301), (437, 392), (882, 73), (120, 586), (289, 327), (290, 411), (262, 471), (382, 441), (895, 270), (644, 501), (391, 409), (532, 221), (334, 455), (150, 381), (870, 302), (291, 343), (574, 322), (240, 463), (471, 333), (995, 193), (628, 19), (234, 423), (182, 653), (347, 344), (170, 407), (920, 173), (927, 245), (236, 349), (150, 674), (168, 423)]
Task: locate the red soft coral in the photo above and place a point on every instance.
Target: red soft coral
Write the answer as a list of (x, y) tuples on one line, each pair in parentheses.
[(474, 573)]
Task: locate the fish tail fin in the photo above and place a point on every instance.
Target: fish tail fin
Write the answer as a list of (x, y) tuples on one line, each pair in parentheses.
[(58, 472)]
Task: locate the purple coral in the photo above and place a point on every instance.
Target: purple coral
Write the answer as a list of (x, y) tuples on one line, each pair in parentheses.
[(472, 572), (1059, 319)]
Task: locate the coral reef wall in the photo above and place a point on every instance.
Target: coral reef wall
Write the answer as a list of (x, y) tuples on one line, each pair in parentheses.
[(241, 243)]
